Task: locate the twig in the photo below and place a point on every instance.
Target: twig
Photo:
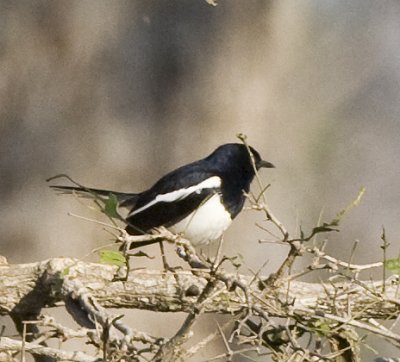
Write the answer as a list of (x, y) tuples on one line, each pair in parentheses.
[(264, 206), (75, 290), (228, 355), (170, 350), (351, 322), (94, 221), (8, 344), (62, 331), (385, 246), (344, 264)]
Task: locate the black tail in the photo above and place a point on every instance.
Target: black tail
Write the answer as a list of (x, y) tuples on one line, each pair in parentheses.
[(127, 200)]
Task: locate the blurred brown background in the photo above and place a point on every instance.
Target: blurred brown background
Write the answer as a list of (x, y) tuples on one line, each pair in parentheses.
[(117, 93)]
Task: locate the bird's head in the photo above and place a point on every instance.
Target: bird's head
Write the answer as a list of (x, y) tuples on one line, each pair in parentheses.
[(237, 156), (258, 161)]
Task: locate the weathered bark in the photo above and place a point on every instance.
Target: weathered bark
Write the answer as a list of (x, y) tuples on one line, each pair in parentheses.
[(31, 286)]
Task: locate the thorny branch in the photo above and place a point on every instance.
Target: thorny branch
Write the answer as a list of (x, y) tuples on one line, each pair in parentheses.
[(270, 314), (263, 206), (8, 344), (220, 292)]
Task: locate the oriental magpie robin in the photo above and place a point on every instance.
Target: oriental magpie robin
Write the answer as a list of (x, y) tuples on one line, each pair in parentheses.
[(198, 200)]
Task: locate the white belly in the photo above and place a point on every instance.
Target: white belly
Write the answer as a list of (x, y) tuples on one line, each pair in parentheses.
[(205, 224)]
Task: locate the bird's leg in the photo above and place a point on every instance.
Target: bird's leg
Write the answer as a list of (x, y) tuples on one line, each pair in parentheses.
[(165, 235), (164, 257), (217, 258)]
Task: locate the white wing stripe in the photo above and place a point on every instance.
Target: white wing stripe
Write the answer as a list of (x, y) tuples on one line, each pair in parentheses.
[(210, 183)]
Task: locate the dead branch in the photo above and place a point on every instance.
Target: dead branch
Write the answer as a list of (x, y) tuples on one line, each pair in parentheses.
[(8, 344), (160, 291), (89, 287)]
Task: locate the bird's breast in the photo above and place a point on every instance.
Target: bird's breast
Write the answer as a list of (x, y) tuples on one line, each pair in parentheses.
[(207, 223)]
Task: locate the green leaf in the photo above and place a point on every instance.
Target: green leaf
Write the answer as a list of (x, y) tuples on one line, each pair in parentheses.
[(110, 206), (112, 257), (393, 265), (65, 272), (323, 328)]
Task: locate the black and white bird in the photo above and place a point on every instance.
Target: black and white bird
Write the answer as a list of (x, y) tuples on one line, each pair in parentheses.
[(198, 200)]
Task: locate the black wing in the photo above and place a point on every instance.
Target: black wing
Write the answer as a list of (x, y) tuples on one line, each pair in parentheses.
[(173, 197), (166, 213)]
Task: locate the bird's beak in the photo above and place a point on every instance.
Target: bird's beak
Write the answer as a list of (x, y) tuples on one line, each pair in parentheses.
[(265, 164)]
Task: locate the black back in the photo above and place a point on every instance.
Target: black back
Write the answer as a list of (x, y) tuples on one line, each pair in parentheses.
[(231, 162)]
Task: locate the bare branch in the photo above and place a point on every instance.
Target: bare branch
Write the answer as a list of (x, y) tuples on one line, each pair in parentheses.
[(159, 291), (8, 344)]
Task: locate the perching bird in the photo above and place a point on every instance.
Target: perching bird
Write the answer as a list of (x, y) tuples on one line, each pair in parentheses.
[(198, 200)]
